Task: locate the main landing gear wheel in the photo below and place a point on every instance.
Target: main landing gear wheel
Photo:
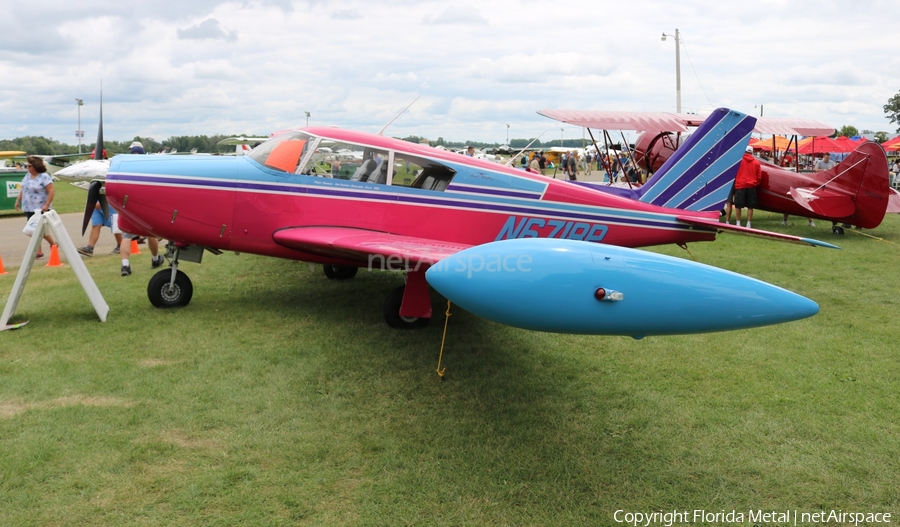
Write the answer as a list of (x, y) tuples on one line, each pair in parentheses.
[(163, 293), (837, 229), (392, 312), (339, 272)]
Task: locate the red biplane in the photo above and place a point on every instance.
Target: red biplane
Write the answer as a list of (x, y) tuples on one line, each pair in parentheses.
[(855, 192)]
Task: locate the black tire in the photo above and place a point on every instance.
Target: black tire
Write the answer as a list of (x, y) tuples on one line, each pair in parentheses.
[(163, 296), (339, 272), (837, 230), (392, 312)]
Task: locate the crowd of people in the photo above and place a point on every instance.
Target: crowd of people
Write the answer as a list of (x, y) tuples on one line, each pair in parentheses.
[(570, 164)]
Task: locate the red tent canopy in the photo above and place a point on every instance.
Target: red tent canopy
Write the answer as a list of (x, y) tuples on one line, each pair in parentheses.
[(819, 145), (847, 144)]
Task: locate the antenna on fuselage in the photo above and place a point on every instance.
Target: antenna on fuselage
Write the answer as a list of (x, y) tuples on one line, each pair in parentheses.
[(513, 158), (380, 132)]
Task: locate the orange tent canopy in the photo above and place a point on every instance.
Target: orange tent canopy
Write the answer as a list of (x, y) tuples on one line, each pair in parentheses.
[(781, 143)]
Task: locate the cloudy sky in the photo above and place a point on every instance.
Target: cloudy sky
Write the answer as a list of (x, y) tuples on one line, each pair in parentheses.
[(195, 67)]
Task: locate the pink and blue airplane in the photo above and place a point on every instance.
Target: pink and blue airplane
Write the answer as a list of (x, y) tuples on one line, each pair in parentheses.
[(510, 245)]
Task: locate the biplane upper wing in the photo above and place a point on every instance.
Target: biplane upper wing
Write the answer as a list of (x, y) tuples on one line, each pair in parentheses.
[(678, 122), (640, 121), (791, 126), (361, 245), (736, 229)]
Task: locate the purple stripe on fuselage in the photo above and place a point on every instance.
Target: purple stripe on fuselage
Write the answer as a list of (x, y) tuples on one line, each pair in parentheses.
[(494, 192)]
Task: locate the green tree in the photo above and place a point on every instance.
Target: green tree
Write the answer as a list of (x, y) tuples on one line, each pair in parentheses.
[(848, 131), (892, 110), (37, 145), (881, 136)]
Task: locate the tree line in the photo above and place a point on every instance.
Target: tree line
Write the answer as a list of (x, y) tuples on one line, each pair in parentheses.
[(185, 143), (209, 143)]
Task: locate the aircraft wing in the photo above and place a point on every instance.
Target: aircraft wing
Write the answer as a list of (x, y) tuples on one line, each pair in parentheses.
[(65, 157), (231, 141), (361, 245), (640, 121), (734, 229), (893, 202), (824, 202), (678, 122), (792, 126)]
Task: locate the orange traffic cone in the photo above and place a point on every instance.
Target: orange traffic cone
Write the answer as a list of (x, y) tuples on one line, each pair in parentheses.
[(134, 246), (54, 257), (2, 270)]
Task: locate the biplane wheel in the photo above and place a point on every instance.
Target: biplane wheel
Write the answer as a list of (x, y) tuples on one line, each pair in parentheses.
[(837, 230), (163, 295), (339, 272), (392, 312)]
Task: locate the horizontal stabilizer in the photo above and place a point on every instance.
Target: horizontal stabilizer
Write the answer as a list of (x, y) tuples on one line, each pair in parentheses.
[(735, 229), (824, 202), (571, 286)]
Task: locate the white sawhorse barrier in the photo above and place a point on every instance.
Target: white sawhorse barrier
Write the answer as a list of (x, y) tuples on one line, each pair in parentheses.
[(51, 220)]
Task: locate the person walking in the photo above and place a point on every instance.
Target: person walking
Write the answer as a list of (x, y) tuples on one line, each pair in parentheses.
[(36, 194), (571, 166)]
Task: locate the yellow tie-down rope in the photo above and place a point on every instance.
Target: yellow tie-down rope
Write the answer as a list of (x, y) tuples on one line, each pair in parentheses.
[(857, 231), (440, 371), (685, 247)]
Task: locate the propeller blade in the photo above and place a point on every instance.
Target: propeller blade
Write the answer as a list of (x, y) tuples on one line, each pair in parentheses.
[(93, 197)]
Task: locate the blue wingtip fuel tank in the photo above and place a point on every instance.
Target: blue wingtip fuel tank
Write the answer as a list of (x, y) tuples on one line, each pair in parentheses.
[(570, 286)]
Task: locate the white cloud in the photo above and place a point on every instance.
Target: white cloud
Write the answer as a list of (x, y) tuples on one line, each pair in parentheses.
[(457, 15), (253, 66), (208, 29)]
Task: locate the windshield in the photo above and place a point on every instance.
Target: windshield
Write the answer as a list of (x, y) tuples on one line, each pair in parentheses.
[(283, 152)]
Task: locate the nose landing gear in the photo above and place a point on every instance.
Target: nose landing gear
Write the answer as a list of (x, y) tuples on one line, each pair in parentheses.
[(171, 287)]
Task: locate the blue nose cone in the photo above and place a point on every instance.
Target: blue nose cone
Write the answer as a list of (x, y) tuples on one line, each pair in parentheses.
[(569, 286)]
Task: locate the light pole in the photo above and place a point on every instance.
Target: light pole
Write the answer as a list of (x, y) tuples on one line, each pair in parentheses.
[(78, 132), (307, 118), (760, 109), (507, 136), (560, 137), (677, 37)]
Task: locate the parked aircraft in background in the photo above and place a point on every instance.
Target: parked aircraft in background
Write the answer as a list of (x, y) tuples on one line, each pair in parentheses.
[(855, 192), (510, 245)]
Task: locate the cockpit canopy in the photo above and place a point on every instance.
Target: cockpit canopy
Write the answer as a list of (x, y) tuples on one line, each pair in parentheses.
[(301, 153)]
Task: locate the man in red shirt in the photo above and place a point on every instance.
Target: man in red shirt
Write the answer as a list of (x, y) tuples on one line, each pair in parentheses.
[(749, 176)]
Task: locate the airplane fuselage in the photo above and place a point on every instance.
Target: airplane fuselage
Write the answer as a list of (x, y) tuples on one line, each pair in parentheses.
[(238, 203)]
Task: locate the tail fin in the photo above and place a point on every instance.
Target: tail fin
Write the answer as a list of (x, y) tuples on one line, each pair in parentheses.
[(699, 174), (864, 173)]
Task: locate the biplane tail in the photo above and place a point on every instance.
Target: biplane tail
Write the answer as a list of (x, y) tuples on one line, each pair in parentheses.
[(699, 175), (857, 191)]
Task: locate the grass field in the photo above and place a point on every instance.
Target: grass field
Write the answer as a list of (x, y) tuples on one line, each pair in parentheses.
[(281, 398)]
